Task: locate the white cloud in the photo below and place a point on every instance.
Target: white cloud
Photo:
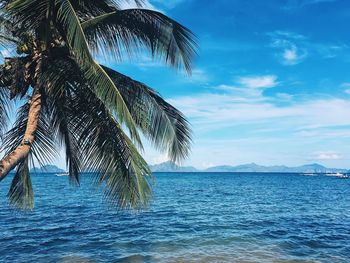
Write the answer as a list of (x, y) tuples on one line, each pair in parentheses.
[(247, 89), (258, 82), (278, 34), (328, 155), (198, 76), (346, 87), (284, 96), (294, 48), (290, 54), (209, 111), (290, 45), (293, 55), (234, 124), (329, 50)]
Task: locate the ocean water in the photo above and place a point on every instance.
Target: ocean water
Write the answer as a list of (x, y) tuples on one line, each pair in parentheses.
[(194, 217)]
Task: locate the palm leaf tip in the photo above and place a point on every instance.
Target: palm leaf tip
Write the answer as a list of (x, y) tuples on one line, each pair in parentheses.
[(127, 177), (21, 193), (109, 153), (130, 189)]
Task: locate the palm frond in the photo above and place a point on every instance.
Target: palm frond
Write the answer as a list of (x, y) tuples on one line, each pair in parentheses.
[(43, 147), (4, 110), (109, 153), (60, 112), (28, 13), (132, 29), (103, 86), (66, 138), (159, 121), (58, 73), (90, 8), (14, 76), (6, 28), (86, 9), (21, 193)]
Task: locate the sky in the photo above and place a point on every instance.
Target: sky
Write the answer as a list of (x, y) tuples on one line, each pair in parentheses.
[(271, 84)]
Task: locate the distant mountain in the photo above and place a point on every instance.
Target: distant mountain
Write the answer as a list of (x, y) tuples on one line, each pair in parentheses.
[(172, 167), (240, 168), (248, 168), (252, 168), (47, 169), (244, 168)]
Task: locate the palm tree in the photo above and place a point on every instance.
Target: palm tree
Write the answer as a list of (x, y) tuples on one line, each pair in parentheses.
[(67, 99)]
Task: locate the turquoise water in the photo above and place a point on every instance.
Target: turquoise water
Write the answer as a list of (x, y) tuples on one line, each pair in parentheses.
[(193, 218)]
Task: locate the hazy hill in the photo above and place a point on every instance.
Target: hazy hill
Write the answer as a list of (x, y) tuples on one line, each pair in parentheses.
[(171, 167), (244, 168), (249, 168), (47, 169)]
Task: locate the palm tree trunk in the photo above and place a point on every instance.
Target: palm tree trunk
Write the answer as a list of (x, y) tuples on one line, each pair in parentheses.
[(11, 160)]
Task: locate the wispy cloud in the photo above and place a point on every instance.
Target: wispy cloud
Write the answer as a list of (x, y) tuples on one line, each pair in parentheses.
[(292, 55), (199, 76), (250, 126), (293, 48), (212, 111), (290, 46), (346, 87), (259, 82), (296, 4), (284, 96), (327, 155), (247, 88)]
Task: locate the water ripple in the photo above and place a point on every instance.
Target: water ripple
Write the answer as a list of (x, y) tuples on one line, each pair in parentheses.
[(193, 218)]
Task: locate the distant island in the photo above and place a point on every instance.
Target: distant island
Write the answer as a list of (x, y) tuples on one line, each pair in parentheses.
[(170, 167), (47, 169), (249, 168)]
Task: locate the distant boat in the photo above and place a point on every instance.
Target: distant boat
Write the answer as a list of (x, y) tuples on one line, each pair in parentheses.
[(62, 174), (339, 175), (310, 174)]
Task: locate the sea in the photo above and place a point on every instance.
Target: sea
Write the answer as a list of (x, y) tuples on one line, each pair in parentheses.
[(193, 217)]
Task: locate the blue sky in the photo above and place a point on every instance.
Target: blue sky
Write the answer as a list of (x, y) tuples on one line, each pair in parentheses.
[(270, 85)]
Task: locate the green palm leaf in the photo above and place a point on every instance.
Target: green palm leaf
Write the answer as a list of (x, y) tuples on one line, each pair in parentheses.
[(103, 86), (4, 109), (109, 153), (125, 30), (160, 122), (43, 148), (21, 193)]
